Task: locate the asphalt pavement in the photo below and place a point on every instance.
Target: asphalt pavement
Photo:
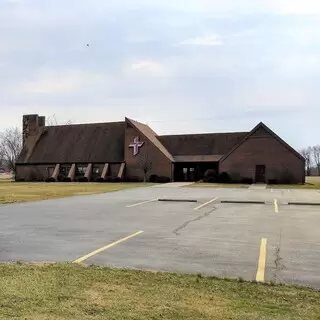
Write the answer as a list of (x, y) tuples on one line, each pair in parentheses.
[(269, 241)]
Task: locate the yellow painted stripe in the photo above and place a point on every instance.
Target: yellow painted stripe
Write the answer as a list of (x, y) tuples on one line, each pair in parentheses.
[(262, 260), (205, 204), (276, 207), (141, 203), (106, 247)]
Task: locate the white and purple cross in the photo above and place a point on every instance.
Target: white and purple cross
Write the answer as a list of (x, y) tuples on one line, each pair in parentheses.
[(136, 144)]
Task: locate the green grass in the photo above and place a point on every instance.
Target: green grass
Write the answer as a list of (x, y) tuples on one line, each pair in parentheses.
[(69, 291), (311, 183), (11, 192)]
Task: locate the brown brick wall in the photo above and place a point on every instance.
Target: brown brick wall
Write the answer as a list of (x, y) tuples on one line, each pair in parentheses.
[(263, 149), (32, 172), (40, 172), (114, 169), (161, 165)]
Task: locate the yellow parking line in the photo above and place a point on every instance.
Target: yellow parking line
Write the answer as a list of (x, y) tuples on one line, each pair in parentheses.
[(141, 203), (276, 207), (106, 247), (262, 260), (205, 204)]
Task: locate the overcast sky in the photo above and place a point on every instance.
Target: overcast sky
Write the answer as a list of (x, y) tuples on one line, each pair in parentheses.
[(180, 66)]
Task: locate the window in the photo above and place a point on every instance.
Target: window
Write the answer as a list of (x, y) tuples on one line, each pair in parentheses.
[(96, 170), (81, 169)]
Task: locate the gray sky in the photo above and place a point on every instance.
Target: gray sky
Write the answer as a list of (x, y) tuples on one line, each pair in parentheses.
[(213, 65)]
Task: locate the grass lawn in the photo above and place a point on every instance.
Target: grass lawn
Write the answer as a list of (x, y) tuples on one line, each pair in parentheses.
[(311, 183), (217, 185), (66, 291), (11, 192)]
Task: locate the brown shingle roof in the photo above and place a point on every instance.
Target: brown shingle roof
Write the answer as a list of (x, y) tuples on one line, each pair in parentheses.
[(97, 142), (151, 136), (198, 158), (201, 144)]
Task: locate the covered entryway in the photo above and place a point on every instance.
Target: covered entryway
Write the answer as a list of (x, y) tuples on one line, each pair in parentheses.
[(192, 171)]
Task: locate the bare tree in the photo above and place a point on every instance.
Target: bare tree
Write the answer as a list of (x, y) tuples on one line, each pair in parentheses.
[(10, 147), (52, 121), (307, 154), (316, 157), (146, 166)]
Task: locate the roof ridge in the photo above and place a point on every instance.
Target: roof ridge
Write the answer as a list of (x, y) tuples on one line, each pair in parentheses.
[(202, 134), (84, 124)]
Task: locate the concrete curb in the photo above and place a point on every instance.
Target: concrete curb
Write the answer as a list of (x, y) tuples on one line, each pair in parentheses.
[(304, 203), (177, 200), (244, 202)]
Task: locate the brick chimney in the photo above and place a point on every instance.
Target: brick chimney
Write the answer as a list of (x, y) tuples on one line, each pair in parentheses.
[(31, 125)]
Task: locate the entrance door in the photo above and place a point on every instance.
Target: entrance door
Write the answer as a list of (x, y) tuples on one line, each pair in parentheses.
[(260, 174), (189, 174)]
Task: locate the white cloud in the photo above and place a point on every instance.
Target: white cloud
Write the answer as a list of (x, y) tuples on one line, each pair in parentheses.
[(151, 67), (204, 41), (63, 81), (295, 7)]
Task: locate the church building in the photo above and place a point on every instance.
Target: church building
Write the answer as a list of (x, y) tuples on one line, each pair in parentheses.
[(130, 150)]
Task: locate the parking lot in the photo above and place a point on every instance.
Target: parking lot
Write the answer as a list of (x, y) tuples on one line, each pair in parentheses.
[(252, 234)]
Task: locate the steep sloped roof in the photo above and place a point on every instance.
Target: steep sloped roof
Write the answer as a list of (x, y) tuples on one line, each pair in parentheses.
[(201, 144), (96, 142), (151, 136), (261, 127)]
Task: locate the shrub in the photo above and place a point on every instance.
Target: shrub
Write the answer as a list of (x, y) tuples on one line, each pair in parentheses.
[(100, 179), (210, 176), (66, 179), (247, 180), (82, 179), (132, 179), (162, 179), (210, 173), (153, 178), (108, 179), (116, 179), (50, 179), (272, 181), (224, 178)]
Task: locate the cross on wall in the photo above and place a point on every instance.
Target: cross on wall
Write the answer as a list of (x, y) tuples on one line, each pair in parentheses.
[(136, 145)]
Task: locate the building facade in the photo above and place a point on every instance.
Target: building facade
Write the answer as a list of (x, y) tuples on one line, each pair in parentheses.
[(132, 150)]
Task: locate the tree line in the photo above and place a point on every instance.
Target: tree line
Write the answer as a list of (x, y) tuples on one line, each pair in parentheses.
[(312, 156)]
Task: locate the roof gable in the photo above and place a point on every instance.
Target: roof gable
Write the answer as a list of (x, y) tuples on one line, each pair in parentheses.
[(151, 136), (260, 130)]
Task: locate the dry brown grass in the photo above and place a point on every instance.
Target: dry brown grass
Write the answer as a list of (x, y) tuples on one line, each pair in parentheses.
[(311, 183), (69, 291), (217, 185), (11, 192)]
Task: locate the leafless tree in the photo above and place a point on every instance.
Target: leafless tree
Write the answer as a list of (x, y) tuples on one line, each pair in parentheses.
[(307, 154), (52, 121), (146, 166), (10, 147), (316, 157)]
